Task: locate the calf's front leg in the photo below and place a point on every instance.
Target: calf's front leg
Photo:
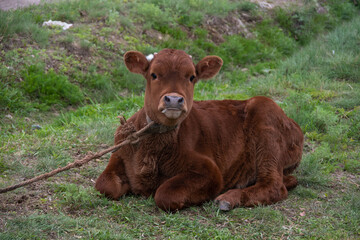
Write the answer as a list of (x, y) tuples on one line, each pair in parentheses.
[(202, 182), (113, 181)]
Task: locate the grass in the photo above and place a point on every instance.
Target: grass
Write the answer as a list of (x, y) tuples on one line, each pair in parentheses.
[(85, 52), (19, 23), (60, 95)]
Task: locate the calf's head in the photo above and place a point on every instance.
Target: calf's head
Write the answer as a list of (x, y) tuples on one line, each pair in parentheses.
[(170, 79)]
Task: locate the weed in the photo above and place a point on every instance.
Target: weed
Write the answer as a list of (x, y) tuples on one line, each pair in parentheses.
[(50, 88), (67, 39), (344, 67), (125, 79), (174, 32), (283, 18), (113, 17), (241, 51), (354, 118), (100, 86), (311, 172), (12, 98), (276, 38), (247, 6), (85, 44), (20, 23), (152, 16), (305, 192), (343, 10), (194, 18), (126, 22), (3, 166)]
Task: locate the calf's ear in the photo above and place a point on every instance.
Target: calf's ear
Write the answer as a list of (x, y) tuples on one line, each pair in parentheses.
[(136, 62), (208, 67)]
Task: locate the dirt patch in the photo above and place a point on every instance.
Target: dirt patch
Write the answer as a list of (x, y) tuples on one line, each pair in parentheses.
[(26, 200), (240, 22), (15, 4), (236, 23), (343, 180)]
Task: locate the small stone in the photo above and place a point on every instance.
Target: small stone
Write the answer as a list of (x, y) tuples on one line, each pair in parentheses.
[(322, 10), (36, 127)]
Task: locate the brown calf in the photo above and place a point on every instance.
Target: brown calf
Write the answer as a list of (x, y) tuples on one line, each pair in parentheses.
[(242, 149)]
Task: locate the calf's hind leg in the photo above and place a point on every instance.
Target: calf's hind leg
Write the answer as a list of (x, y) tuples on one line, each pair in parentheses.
[(262, 193), (269, 187), (290, 182)]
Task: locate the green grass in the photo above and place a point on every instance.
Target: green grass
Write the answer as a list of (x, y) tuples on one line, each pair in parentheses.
[(88, 55), (20, 23), (50, 88), (73, 84)]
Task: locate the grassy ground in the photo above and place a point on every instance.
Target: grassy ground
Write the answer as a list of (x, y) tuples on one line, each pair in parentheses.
[(60, 93)]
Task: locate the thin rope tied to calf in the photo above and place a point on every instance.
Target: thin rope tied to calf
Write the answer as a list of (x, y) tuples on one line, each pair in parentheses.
[(131, 139)]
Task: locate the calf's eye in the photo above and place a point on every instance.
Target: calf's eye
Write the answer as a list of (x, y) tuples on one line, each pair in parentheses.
[(153, 75), (192, 78)]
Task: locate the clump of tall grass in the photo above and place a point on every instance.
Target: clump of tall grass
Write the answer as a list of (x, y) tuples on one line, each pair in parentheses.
[(50, 88), (23, 24)]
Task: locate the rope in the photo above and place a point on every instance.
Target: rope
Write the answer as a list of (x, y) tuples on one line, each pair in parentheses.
[(131, 139)]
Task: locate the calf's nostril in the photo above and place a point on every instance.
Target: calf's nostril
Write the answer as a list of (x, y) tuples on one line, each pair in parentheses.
[(167, 99), (181, 100)]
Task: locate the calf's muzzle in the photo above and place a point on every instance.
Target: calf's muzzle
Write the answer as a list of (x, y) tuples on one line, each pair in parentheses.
[(172, 105)]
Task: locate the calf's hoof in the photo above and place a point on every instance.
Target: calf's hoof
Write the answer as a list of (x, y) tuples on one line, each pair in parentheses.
[(111, 186), (229, 199), (223, 205), (169, 201)]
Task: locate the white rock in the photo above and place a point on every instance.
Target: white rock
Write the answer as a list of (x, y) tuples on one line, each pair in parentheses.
[(150, 57), (64, 25)]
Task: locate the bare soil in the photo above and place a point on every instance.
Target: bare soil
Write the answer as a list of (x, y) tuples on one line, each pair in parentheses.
[(15, 4)]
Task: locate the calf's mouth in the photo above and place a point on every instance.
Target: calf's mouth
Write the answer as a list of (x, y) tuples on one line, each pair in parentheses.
[(172, 113)]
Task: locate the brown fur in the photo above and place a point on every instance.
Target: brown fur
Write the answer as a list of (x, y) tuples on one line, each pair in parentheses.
[(242, 149)]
